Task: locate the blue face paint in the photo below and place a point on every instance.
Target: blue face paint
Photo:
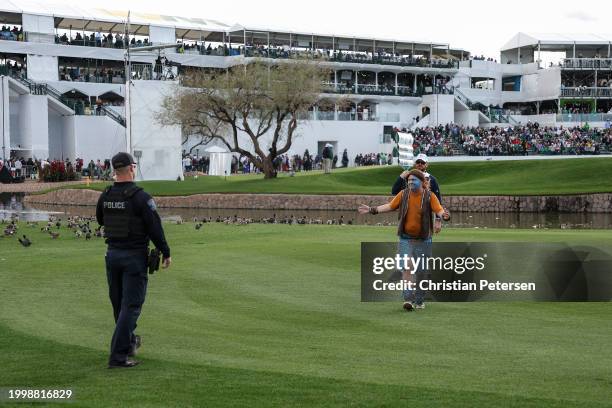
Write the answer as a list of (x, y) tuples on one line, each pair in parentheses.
[(414, 184)]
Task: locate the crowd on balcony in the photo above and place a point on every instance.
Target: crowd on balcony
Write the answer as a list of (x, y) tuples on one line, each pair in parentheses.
[(102, 75), (203, 49), (518, 140), (482, 58), (14, 34), (576, 108), (603, 81), (13, 68), (380, 56), (97, 39), (597, 61)]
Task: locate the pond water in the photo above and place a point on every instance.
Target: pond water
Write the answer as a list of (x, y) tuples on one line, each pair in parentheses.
[(11, 205)]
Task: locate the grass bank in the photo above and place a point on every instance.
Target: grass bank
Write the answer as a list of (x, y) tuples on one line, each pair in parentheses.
[(515, 177)]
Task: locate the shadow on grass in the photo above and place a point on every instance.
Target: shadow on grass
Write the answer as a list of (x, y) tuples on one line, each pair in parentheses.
[(36, 363)]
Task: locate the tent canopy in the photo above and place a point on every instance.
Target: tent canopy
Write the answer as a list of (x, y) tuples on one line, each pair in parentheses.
[(553, 41), (75, 94), (216, 149), (79, 18), (111, 96), (93, 19)]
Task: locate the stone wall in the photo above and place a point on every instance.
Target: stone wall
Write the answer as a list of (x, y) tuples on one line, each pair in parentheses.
[(597, 203)]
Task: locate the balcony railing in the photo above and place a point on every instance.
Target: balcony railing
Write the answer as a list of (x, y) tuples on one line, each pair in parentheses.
[(88, 41), (142, 71), (44, 38), (325, 115), (351, 116), (77, 107), (371, 89), (586, 92), (361, 58), (584, 117), (346, 115), (350, 57), (72, 75), (406, 91), (388, 117), (587, 63)]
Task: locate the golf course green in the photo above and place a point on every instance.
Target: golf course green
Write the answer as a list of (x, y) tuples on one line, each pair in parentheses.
[(512, 177), (270, 316)]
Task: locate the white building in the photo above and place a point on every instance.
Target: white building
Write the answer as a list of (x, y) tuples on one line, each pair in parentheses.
[(63, 87)]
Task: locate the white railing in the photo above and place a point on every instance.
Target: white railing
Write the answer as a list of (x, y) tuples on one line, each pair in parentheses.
[(584, 117), (43, 38), (388, 117), (325, 115), (405, 91), (142, 71), (587, 63), (586, 92), (350, 116), (346, 116)]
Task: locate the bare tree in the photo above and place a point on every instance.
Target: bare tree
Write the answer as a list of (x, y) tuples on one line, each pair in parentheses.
[(253, 109)]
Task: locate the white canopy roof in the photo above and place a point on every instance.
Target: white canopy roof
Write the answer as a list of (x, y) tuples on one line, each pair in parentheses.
[(77, 17), (92, 19), (532, 39)]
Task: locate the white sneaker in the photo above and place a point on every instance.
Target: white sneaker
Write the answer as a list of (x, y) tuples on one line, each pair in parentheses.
[(419, 306)]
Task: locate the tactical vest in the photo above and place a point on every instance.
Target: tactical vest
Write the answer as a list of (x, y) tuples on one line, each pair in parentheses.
[(120, 221), (426, 214)]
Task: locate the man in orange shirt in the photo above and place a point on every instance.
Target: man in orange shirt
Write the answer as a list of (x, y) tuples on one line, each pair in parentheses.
[(417, 206)]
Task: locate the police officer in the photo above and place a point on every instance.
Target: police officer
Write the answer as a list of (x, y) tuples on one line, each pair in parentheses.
[(130, 219)]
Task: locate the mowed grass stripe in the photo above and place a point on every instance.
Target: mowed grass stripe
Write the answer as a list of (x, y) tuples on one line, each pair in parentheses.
[(157, 384), (232, 314)]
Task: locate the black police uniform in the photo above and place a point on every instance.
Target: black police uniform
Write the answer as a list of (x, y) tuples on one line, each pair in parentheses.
[(130, 219)]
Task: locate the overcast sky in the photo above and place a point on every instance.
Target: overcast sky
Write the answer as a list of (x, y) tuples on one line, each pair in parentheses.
[(479, 26)]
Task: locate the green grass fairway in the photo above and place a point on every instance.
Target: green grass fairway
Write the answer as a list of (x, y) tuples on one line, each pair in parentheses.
[(270, 315), (527, 177)]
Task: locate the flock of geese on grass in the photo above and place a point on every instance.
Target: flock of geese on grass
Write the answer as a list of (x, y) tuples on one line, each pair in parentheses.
[(288, 220), (80, 226)]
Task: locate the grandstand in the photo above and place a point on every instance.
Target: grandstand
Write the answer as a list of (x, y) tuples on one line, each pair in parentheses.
[(63, 87)]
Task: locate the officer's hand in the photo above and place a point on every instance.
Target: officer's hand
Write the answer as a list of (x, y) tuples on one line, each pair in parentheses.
[(166, 262), (446, 215), (404, 174), (437, 226)]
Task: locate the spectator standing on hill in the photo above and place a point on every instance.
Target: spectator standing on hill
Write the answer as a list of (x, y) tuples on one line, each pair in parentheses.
[(328, 156), (345, 159)]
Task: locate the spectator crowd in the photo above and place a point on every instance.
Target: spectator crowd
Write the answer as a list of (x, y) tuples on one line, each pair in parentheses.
[(19, 169), (14, 34), (518, 140)]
